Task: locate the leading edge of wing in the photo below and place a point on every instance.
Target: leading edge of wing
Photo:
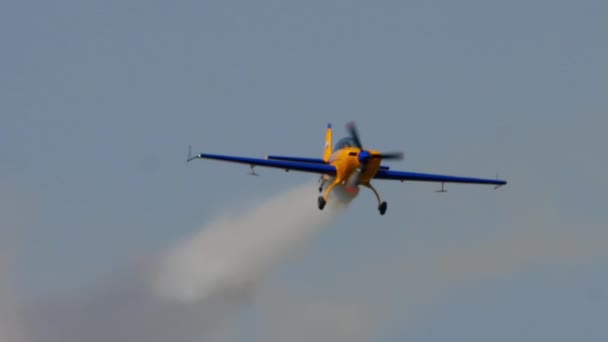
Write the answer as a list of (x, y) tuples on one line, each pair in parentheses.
[(427, 177), (279, 164)]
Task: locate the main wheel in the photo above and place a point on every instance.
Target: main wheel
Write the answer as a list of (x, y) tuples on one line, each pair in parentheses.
[(382, 208), (321, 201)]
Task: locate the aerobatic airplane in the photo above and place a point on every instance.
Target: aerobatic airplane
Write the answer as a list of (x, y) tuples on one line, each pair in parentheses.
[(350, 164)]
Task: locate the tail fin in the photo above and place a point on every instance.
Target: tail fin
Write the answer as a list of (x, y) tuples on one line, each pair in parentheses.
[(328, 143)]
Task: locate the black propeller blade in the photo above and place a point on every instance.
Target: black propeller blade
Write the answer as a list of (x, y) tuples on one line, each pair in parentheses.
[(354, 133), (389, 156)]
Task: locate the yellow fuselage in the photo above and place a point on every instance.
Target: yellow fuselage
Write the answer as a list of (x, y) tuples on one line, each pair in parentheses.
[(346, 161)]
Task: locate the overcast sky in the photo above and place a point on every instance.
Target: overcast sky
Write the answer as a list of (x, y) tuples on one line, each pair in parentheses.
[(99, 101)]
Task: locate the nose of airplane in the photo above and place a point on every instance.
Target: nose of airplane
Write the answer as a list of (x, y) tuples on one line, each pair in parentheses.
[(364, 156)]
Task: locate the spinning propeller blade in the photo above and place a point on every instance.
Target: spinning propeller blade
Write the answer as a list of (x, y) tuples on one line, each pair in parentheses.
[(389, 156), (354, 133)]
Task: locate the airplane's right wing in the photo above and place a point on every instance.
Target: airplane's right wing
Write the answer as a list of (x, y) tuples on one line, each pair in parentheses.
[(427, 177)]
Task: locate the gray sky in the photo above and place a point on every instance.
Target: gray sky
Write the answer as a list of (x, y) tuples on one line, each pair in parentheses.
[(99, 100)]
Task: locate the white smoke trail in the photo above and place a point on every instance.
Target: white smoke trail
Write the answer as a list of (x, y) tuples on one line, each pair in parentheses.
[(232, 253), (187, 292)]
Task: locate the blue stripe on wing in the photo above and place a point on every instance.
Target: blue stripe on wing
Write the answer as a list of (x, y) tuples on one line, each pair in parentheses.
[(426, 177), (279, 164)]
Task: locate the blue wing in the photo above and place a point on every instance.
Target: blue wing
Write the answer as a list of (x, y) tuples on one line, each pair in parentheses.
[(279, 164), (427, 177)]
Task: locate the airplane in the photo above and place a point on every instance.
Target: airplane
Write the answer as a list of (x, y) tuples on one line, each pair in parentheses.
[(347, 163)]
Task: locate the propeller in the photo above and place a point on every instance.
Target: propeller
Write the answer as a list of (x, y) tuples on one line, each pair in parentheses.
[(389, 156), (364, 156), (351, 127)]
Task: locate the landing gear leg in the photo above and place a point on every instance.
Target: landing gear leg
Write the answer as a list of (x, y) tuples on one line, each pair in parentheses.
[(321, 184), (322, 200), (381, 205)]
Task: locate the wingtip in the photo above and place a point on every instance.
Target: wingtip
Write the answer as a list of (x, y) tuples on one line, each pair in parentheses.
[(500, 185), (192, 157), (501, 182)]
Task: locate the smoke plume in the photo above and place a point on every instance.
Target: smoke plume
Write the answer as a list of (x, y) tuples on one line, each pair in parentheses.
[(186, 293), (232, 253)]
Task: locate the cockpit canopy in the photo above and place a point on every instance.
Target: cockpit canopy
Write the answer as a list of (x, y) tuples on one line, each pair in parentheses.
[(345, 142)]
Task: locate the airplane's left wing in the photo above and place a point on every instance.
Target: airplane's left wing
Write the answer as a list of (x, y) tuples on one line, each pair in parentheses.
[(278, 164), (427, 177)]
